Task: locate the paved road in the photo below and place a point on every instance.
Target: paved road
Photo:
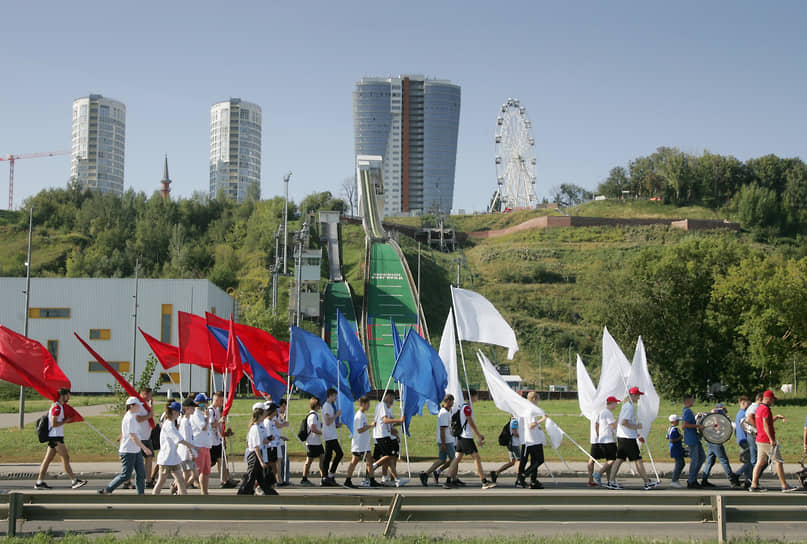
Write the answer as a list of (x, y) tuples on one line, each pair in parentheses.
[(12, 420)]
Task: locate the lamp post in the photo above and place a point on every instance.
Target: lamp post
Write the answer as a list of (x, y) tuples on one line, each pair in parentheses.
[(286, 179), (27, 306), (134, 328)]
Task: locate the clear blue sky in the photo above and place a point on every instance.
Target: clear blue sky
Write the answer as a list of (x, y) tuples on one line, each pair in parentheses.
[(603, 82)]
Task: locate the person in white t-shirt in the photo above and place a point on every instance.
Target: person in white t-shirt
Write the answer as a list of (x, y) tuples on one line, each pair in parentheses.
[(168, 460), (258, 466), (532, 447), (282, 464), (144, 418), (445, 443), (202, 439), (603, 443), (186, 432), (330, 421), (628, 439), (466, 445), (217, 450), (131, 451), (383, 452), (360, 442), (56, 422), (313, 442)]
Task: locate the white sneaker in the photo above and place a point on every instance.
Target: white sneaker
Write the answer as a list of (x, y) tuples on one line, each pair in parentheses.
[(400, 482), (676, 485), (614, 485), (365, 483), (597, 478)]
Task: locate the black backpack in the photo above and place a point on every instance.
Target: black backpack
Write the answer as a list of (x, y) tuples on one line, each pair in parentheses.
[(457, 426), (302, 434), (505, 437), (42, 428)]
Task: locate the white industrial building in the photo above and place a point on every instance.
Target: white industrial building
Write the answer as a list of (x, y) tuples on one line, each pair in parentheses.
[(101, 311)]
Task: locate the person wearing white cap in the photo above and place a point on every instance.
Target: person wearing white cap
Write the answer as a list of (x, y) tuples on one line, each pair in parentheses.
[(675, 438), (627, 441), (186, 432), (131, 451), (257, 459), (169, 461), (202, 439)]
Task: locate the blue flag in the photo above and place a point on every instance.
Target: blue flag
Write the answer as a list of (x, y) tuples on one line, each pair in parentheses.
[(411, 400), (420, 369), (349, 349), (315, 369), (262, 380)]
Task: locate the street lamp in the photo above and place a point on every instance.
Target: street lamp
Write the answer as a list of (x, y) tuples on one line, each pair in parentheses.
[(286, 179)]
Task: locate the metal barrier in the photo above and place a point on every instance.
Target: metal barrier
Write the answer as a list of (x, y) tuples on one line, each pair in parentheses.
[(402, 508)]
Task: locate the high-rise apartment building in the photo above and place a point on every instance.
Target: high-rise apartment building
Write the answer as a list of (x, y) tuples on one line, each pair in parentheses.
[(235, 148), (412, 122), (98, 143)]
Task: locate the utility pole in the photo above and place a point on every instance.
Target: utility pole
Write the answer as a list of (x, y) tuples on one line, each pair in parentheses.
[(275, 269), (286, 179), (458, 272), (134, 328), (27, 304), (570, 365), (418, 302), (299, 274)]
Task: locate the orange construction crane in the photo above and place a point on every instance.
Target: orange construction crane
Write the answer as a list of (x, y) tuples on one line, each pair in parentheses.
[(12, 158)]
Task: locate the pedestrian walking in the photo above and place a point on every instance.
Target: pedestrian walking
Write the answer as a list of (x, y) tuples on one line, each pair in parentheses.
[(445, 442), (604, 445), (513, 447), (333, 450), (675, 438), (466, 444), (56, 446), (360, 442), (693, 441), (768, 449), (717, 452), (746, 470), (169, 460), (313, 442), (532, 449), (131, 451), (628, 440)]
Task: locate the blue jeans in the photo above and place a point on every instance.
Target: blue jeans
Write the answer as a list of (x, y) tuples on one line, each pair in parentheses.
[(696, 458), (128, 463), (716, 452), (679, 466), (746, 471)]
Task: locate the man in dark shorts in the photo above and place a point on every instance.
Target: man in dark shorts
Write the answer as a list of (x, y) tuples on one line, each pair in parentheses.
[(313, 442), (56, 422), (384, 450), (466, 445), (604, 443), (628, 439)]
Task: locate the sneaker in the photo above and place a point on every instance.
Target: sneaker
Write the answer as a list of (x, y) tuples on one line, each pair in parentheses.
[(649, 485), (150, 484), (349, 484), (614, 485), (593, 484), (449, 484), (400, 482), (597, 478), (374, 483), (747, 484), (520, 483), (424, 479), (494, 476), (436, 477), (788, 489), (81, 483), (327, 482), (676, 485), (755, 489), (694, 485), (706, 484), (42, 486), (365, 483), (103, 491), (306, 482), (460, 482), (487, 484), (229, 484), (536, 485), (735, 484)]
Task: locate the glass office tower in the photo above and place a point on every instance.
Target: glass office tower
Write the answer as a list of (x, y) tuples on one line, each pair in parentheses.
[(235, 149)]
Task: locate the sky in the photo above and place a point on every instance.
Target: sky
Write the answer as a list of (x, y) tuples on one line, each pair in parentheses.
[(603, 82)]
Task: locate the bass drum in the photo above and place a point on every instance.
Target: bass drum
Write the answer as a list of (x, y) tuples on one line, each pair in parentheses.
[(716, 428)]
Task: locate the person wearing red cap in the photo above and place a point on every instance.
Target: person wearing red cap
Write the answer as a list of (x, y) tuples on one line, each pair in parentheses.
[(627, 441), (767, 446), (603, 443)]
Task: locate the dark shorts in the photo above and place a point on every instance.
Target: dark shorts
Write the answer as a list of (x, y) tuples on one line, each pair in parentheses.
[(215, 454), (466, 446), (147, 443), (54, 441), (271, 454), (383, 447), (360, 454), (314, 451), (604, 451), (627, 448), (396, 448)]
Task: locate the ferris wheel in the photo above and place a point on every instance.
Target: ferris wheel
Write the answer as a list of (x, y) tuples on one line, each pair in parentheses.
[(515, 157)]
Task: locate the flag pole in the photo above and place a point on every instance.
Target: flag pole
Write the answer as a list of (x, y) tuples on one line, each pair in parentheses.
[(406, 442), (108, 441), (462, 354), (285, 467), (572, 440), (652, 462)]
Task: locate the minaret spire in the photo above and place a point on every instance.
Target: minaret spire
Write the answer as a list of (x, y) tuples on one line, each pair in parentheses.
[(166, 181)]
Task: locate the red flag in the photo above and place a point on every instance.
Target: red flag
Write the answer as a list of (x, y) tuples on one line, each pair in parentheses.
[(167, 354), (271, 353), (234, 367), (120, 379), (26, 362), (196, 346)]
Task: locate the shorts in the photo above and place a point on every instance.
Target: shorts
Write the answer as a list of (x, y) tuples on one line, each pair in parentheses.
[(448, 454), (360, 454), (148, 444), (383, 448), (54, 441), (396, 448), (215, 454), (203, 461), (628, 448), (604, 451), (188, 465), (514, 452), (767, 453), (271, 455), (466, 446), (169, 469), (314, 450)]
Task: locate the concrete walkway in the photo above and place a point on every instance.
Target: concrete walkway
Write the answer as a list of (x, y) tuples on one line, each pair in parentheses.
[(12, 420)]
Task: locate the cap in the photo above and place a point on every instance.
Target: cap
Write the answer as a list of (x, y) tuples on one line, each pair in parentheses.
[(200, 398), (611, 400), (258, 406), (188, 402), (175, 406), (768, 395), (719, 405), (674, 417), (132, 400), (635, 391)]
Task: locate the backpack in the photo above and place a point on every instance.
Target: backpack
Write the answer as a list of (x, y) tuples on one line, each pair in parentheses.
[(303, 433), (457, 426), (505, 437), (42, 428)]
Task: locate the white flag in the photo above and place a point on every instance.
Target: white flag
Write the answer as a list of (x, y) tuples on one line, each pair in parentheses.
[(448, 354), (647, 409), (586, 392), (479, 321)]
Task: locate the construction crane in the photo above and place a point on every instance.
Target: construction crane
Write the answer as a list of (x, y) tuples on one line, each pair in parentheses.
[(12, 158)]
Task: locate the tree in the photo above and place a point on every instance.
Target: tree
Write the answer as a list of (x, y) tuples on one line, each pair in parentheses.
[(349, 193), (615, 183), (568, 195)]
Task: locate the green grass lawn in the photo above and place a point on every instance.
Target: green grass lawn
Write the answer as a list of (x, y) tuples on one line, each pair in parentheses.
[(86, 445), (34, 402)]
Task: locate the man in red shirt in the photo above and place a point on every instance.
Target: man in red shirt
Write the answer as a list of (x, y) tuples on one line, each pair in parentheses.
[(767, 446)]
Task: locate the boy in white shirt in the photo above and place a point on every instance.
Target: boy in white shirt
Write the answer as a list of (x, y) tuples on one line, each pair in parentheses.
[(360, 443), (627, 441), (466, 445), (330, 420), (445, 442), (313, 442), (131, 451), (604, 444), (56, 422), (382, 434)]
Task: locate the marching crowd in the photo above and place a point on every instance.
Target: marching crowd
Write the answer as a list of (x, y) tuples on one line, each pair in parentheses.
[(189, 443)]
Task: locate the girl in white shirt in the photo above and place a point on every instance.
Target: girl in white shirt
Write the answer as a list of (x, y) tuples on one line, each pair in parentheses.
[(169, 460), (257, 461)]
